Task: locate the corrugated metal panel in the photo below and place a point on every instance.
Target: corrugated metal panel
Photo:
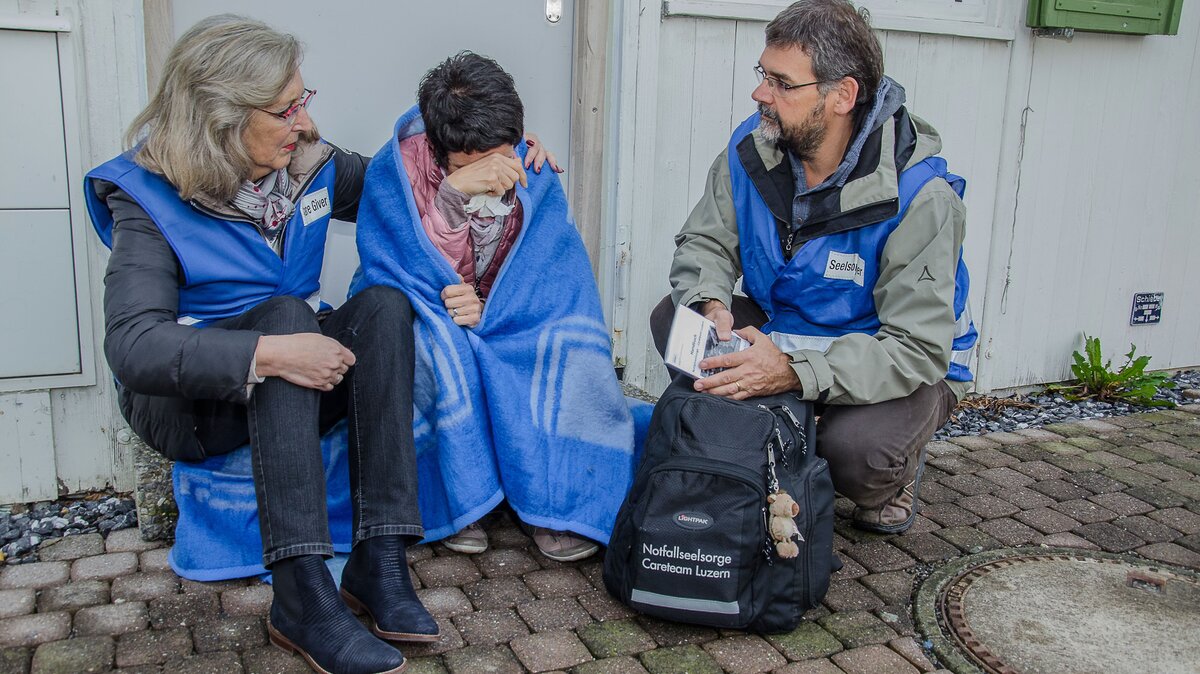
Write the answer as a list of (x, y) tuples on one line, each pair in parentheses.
[(942, 76)]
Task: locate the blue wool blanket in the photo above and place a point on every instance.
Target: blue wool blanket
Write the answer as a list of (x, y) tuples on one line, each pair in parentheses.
[(524, 406), (217, 535)]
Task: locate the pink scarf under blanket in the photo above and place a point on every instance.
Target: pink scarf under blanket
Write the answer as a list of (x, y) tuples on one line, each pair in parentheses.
[(455, 244), (426, 176)]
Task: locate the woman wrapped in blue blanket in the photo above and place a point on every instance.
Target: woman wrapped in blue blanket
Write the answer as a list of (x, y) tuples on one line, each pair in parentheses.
[(516, 396)]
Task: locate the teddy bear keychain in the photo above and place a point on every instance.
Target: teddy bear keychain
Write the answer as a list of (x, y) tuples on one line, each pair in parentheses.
[(783, 509)]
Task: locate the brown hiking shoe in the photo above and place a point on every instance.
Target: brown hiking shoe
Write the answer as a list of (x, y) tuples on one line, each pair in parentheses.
[(896, 514)]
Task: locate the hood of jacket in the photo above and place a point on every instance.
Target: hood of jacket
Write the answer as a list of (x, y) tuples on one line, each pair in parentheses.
[(864, 190)]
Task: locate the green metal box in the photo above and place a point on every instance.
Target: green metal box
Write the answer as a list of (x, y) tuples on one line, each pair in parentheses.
[(1134, 17)]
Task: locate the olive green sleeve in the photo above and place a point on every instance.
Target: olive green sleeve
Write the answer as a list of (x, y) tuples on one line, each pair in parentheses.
[(707, 260)]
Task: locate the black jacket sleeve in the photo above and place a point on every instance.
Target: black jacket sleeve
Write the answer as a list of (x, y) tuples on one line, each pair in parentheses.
[(147, 350), (350, 169)]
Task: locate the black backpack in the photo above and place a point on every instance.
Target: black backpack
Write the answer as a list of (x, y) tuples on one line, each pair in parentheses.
[(691, 541)]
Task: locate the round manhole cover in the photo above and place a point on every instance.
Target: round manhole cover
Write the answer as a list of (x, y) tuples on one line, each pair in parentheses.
[(1044, 612)]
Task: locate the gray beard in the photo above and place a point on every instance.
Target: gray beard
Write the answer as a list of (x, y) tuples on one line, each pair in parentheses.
[(802, 140), (768, 125)]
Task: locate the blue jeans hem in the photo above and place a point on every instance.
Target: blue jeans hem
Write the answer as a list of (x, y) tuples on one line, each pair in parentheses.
[(414, 530), (323, 549)]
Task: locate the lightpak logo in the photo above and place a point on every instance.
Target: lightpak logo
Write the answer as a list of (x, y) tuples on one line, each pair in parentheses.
[(693, 520)]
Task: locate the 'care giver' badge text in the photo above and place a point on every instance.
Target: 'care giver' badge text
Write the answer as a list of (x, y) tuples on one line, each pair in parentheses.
[(845, 266), (316, 205)]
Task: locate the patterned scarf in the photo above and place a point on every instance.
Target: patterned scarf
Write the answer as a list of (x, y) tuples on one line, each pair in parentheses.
[(267, 203)]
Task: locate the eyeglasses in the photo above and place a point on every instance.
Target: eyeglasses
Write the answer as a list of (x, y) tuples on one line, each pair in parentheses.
[(777, 84), (294, 109)]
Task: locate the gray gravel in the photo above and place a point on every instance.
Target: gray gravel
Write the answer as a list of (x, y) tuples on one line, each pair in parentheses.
[(1055, 408), (23, 527)]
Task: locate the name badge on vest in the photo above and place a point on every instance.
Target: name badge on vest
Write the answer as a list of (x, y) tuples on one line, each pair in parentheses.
[(845, 266), (316, 205)]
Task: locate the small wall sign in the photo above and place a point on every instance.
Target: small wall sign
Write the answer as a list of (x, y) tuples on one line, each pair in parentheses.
[(1147, 309)]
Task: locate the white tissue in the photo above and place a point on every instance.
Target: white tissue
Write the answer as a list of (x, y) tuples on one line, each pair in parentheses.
[(488, 206)]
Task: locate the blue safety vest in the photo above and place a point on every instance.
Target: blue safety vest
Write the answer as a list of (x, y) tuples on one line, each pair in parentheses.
[(228, 267), (827, 289)]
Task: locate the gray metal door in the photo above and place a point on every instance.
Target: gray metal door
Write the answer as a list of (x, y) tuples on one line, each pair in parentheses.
[(37, 270), (366, 58)]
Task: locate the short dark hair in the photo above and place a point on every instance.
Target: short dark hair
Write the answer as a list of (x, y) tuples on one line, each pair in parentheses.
[(838, 39), (469, 104)]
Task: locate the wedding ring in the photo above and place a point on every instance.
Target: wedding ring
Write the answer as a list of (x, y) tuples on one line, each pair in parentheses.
[(454, 311), (338, 380), (738, 384)]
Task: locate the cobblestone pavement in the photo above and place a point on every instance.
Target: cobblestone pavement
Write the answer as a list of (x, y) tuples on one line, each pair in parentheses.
[(1126, 484)]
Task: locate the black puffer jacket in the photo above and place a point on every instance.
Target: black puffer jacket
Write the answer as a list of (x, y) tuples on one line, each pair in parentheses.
[(161, 366)]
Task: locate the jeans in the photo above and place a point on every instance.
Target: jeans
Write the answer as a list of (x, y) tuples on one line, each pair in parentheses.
[(283, 423), (873, 450)]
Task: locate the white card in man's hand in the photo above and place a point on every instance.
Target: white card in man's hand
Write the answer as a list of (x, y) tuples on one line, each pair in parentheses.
[(694, 338)]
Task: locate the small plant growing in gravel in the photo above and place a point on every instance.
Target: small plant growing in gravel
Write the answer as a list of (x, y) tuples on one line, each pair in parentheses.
[(1095, 378)]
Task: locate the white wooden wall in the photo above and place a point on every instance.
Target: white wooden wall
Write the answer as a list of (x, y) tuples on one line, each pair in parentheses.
[(55, 440), (1106, 208), (60, 436), (1071, 212), (1105, 201)]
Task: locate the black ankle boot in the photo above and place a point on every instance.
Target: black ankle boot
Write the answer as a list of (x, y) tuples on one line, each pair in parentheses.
[(375, 581), (308, 617)]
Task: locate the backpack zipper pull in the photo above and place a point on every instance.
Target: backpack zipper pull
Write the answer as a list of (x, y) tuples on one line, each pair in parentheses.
[(772, 478), (799, 427), (784, 446), (790, 415)]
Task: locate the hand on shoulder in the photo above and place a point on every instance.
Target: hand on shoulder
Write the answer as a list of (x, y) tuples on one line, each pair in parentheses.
[(538, 154)]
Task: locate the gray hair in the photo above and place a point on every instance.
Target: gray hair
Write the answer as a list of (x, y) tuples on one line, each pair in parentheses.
[(218, 72), (837, 37)]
